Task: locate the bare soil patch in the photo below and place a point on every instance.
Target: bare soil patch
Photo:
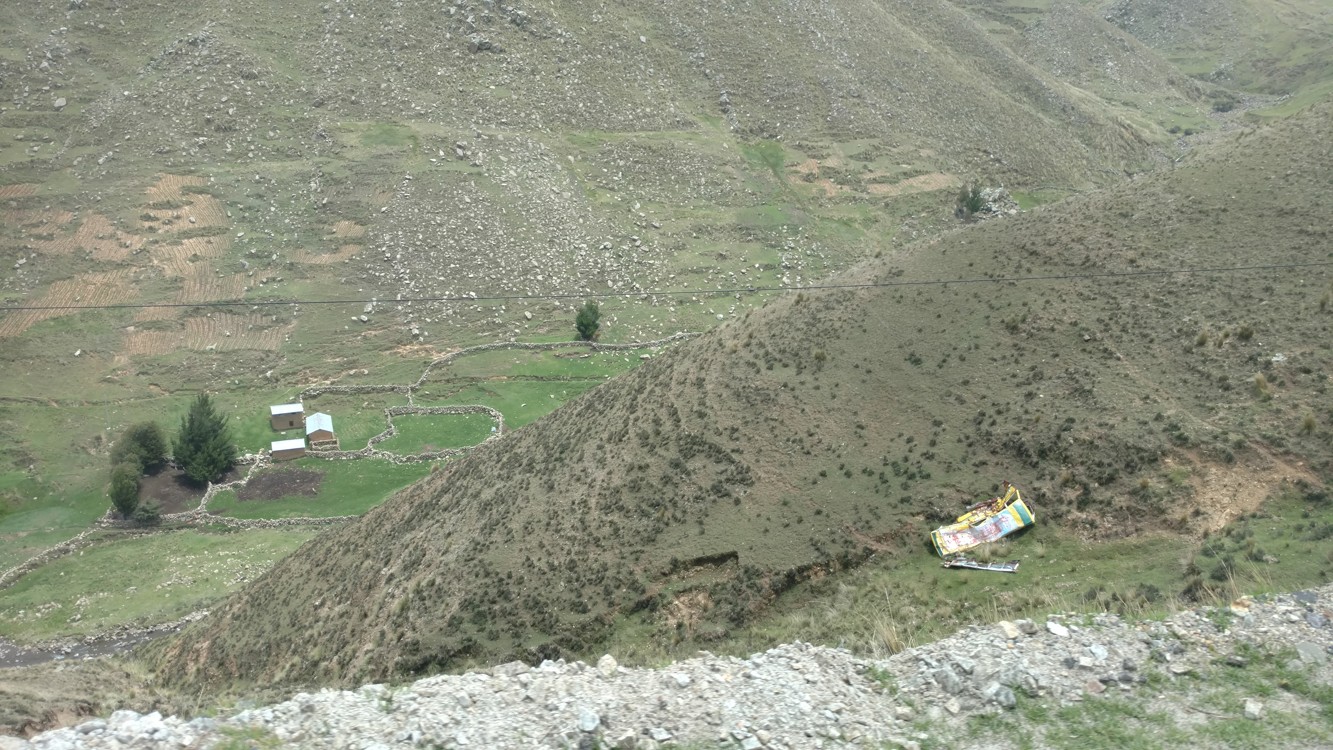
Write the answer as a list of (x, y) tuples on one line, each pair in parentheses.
[(1223, 493), (171, 490), (274, 485), (18, 190), (344, 252), (920, 183)]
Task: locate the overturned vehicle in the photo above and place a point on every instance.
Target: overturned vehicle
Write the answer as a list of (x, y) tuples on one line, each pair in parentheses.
[(984, 522)]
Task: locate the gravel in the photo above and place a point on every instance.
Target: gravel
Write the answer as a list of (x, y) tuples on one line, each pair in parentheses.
[(796, 695)]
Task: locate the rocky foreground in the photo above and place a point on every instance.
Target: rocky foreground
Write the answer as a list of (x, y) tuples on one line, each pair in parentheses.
[(803, 696)]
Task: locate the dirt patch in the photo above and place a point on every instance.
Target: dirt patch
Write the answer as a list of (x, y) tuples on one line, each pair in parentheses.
[(18, 190), (348, 229), (171, 490), (1225, 492), (920, 183), (274, 485), (687, 609), (343, 253)]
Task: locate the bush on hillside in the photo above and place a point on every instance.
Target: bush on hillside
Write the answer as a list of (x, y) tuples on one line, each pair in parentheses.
[(147, 514), (970, 201), (588, 321), (124, 490), (142, 444), (203, 448)]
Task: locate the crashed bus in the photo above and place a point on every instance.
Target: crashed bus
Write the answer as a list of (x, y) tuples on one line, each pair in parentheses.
[(984, 522)]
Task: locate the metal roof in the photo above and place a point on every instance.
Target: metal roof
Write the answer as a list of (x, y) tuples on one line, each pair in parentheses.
[(296, 408), (318, 421), (286, 445)]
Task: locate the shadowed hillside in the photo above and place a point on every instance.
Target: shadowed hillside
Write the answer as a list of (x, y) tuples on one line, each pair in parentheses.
[(795, 440)]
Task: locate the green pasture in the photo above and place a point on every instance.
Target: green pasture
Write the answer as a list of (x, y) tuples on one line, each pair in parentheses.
[(427, 433), (521, 401), (347, 488), (357, 417), (139, 581)]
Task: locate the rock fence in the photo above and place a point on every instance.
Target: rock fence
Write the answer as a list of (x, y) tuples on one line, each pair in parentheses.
[(261, 460), (409, 390)]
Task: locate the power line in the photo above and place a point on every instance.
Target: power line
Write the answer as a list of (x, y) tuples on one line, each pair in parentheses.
[(694, 292)]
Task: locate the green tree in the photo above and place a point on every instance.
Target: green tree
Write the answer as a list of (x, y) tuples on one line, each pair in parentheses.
[(588, 321), (970, 201), (203, 448), (142, 443), (148, 514), (125, 488)]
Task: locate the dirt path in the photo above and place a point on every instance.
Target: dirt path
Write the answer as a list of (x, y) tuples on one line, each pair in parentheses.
[(117, 641)]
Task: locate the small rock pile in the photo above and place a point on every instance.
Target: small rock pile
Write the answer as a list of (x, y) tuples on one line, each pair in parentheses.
[(793, 696)]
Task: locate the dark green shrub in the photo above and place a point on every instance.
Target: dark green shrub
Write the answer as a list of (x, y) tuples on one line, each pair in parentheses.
[(124, 490)]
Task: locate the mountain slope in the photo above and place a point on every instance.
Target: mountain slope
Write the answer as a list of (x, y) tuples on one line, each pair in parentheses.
[(828, 424), (215, 80)]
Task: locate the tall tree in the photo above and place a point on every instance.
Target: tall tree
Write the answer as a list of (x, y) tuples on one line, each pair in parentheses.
[(203, 448), (588, 321)]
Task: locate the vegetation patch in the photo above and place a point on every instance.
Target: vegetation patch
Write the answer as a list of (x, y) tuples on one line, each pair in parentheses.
[(346, 488), (138, 581), (430, 433)]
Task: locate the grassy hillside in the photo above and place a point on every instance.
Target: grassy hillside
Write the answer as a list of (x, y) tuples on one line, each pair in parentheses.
[(831, 425), (241, 153), (245, 152)]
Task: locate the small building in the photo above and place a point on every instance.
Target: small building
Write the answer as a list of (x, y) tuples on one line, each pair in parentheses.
[(286, 450), (287, 416), (319, 426), (319, 432)]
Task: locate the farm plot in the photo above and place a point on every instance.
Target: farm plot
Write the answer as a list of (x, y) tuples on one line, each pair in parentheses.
[(37, 220), (920, 183), (206, 285), (188, 189), (347, 235), (344, 228), (97, 236), (181, 206), (102, 288), (215, 332), (180, 259), (344, 252), (179, 198), (17, 190)]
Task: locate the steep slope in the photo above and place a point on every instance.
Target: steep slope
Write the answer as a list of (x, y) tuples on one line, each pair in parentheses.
[(793, 441), (405, 149), (217, 79)]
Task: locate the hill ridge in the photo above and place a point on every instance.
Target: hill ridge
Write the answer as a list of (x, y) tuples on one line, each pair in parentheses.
[(776, 444)]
